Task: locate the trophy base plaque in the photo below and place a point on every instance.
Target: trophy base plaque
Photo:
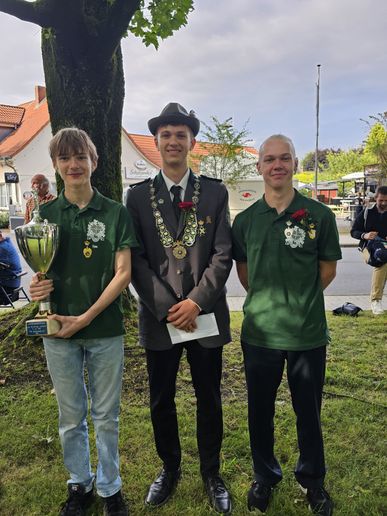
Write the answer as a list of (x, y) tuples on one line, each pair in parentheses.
[(42, 327)]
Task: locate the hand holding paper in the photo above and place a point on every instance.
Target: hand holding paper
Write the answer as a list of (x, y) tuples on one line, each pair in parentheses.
[(206, 326), (183, 315)]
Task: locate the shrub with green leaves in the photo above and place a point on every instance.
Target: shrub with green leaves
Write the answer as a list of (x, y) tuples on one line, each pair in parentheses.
[(4, 219)]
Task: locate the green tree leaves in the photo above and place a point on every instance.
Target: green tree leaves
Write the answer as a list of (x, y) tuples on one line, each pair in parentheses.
[(344, 162), (376, 143), (227, 157), (308, 160), (158, 19)]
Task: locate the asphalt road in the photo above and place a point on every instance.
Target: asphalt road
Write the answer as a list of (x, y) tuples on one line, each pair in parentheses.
[(353, 276)]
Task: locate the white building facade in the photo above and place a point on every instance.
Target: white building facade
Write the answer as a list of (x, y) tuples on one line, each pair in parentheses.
[(24, 150)]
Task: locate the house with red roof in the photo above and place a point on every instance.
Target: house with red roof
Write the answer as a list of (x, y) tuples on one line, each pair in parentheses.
[(25, 132), (24, 135)]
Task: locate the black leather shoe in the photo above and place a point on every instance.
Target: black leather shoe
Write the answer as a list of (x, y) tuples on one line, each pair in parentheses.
[(162, 488), (319, 501), (218, 495), (258, 497)]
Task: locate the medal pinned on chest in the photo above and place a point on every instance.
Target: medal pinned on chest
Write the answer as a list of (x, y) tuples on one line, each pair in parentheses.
[(179, 251), (299, 225), (87, 251)]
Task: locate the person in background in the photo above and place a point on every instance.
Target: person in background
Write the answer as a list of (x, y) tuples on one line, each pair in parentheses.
[(370, 224), (286, 247), (359, 203), (41, 184), (9, 266)]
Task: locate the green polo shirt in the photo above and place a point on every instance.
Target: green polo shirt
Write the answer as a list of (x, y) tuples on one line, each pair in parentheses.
[(84, 264), (284, 307)]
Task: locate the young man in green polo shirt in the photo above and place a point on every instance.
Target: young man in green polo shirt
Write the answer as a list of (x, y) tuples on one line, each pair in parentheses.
[(286, 247), (92, 267)]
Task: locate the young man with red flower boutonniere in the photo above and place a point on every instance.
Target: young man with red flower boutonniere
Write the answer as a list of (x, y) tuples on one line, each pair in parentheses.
[(286, 247), (179, 273)]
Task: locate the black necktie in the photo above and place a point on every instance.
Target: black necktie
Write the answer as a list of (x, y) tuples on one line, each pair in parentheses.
[(176, 199)]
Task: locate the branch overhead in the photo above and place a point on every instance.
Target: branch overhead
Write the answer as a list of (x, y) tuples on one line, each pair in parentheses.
[(120, 14), (35, 12)]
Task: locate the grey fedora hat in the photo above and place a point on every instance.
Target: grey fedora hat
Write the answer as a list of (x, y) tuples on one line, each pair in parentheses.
[(175, 113)]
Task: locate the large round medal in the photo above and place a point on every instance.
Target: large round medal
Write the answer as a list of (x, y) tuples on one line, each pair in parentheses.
[(179, 251)]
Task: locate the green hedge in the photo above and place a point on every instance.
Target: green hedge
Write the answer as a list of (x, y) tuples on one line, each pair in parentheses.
[(4, 219)]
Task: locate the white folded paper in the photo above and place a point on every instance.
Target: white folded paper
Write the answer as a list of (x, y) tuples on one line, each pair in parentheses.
[(206, 327)]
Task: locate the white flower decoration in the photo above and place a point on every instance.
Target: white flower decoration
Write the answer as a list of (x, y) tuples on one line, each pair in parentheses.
[(295, 237), (96, 231)]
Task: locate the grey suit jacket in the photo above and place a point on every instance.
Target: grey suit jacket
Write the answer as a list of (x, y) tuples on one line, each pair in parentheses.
[(161, 280)]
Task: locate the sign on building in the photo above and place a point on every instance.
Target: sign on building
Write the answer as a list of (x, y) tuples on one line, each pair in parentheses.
[(11, 177)]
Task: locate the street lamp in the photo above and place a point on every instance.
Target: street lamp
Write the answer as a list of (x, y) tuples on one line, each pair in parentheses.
[(317, 130)]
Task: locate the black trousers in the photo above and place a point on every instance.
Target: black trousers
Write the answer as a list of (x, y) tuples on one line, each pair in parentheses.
[(306, 372), (206, 372)]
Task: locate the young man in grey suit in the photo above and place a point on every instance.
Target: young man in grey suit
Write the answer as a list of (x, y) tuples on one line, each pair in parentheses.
[(179, 272)]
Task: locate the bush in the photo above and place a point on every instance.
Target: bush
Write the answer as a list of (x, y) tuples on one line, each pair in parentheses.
[(4, 219), (305, 192)]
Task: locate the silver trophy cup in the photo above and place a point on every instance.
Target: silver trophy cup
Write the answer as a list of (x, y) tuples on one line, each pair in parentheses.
[(38, 242)]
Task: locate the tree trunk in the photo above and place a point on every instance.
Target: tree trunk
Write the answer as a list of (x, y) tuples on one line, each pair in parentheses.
[(86, 90)]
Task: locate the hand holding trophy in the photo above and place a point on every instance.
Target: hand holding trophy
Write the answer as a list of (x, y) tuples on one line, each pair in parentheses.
[(38, 242)]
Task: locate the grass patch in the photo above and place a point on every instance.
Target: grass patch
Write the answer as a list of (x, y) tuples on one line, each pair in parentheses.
[(32, 477)]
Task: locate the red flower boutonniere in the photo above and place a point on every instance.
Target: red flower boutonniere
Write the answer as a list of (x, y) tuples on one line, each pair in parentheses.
[(303, 218), (186, 206), (299, 215)]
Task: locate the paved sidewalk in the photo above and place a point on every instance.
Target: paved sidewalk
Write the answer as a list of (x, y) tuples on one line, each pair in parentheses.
[(347, 241)]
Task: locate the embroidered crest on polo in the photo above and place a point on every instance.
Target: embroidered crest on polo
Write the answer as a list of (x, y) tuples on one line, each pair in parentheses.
[(96, 231), (294, 235)]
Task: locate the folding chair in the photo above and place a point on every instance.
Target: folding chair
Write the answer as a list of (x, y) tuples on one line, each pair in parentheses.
[(8, 295)]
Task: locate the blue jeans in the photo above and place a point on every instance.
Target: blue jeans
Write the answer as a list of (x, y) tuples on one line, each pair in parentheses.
[(103, 359)]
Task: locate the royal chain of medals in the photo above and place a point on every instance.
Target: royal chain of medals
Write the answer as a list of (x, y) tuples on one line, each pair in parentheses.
[(179, 247)]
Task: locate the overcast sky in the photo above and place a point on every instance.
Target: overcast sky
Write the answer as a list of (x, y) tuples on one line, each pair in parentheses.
[(250, 59)]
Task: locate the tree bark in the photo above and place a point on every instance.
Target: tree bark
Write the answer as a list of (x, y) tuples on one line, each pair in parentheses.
[(87, 92)]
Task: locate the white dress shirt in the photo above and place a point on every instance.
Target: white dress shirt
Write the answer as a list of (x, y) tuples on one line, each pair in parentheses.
[(183, 184)]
